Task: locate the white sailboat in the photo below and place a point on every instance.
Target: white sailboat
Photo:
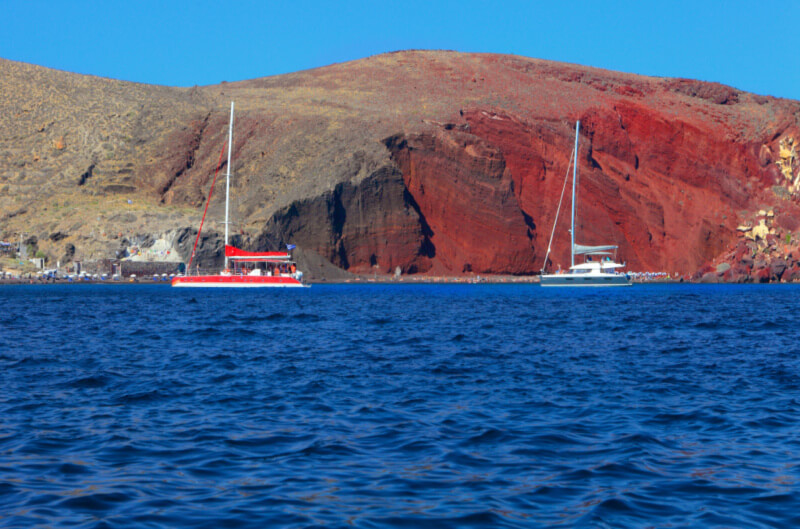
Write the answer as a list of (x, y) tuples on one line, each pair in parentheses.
[(598, 268)]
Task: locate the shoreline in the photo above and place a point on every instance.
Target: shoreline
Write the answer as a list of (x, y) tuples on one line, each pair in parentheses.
[(356, 281)]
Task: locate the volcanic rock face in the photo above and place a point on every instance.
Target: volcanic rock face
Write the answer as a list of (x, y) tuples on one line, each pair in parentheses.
[(434, 162), (465, 194), (374, 223)]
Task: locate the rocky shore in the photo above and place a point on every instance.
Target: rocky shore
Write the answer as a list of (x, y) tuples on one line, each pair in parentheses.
[(356, 279), (768, 251)]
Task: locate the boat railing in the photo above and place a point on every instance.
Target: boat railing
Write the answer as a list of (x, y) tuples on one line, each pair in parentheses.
[(242, 272)]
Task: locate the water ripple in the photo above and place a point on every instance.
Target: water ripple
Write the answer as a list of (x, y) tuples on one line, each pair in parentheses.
[(399, 406)]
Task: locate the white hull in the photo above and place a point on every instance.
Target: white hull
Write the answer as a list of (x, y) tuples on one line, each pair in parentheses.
[(237, 281), (585, 280)]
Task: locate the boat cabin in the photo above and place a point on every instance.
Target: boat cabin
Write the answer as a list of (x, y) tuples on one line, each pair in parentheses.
[(598, 262), (269, 264)]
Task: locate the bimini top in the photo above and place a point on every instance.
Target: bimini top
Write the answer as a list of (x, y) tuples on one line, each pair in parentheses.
[(597, 265), (241, 255), (580, 249)]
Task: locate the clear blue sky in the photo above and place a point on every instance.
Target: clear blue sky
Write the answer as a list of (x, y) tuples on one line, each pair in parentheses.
[(753, 46)]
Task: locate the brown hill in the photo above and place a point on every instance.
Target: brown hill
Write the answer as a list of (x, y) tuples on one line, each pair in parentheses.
[(438, 162)]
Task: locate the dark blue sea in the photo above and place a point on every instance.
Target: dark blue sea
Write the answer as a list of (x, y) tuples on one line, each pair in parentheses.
[(372, 406)]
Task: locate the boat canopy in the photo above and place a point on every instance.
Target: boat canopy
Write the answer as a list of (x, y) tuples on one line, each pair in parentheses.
[(236, 254), (580, 249), (597, 265)]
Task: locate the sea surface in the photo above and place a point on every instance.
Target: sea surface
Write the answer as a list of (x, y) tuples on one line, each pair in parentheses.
[(373, 406)]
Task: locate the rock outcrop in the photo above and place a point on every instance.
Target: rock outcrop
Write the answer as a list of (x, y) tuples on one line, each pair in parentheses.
[(433, 162)]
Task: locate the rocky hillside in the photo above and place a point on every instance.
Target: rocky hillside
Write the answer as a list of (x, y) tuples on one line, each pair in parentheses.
[(434, 162)]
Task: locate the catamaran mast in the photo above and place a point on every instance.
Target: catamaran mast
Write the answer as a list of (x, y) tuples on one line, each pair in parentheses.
[(228, 183), (574, 177)]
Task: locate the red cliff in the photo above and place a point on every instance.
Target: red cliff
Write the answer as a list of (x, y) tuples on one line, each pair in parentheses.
[(442, 162)]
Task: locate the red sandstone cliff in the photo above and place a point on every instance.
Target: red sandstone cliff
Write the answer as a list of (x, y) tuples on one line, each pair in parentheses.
[(434, 162)]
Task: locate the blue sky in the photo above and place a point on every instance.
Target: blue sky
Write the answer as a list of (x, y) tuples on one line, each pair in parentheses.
[(753, 46)]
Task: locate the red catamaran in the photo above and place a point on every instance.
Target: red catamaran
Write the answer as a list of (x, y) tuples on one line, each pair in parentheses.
[(250, 269)]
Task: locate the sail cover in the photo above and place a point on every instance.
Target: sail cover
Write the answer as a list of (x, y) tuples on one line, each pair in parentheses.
[(580, 249), (242, 255)]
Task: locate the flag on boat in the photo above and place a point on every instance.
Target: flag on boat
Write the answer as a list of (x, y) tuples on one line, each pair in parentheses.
[(290, 247)]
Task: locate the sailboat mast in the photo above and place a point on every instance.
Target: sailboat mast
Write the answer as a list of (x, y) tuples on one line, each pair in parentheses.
[(228, 183), (574, 177)]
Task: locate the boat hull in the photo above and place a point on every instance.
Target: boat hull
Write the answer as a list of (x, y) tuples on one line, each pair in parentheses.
[(237, 282), (585, 280)]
